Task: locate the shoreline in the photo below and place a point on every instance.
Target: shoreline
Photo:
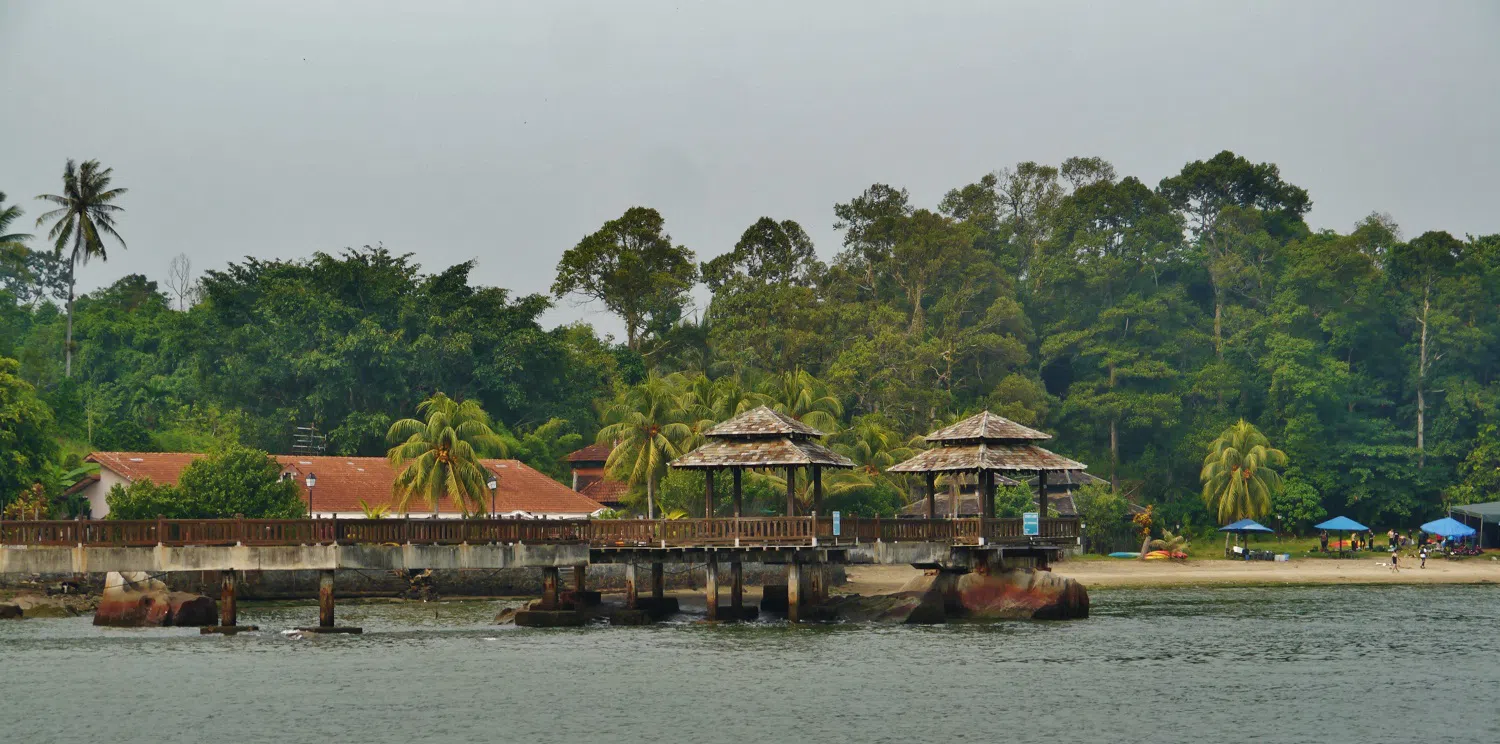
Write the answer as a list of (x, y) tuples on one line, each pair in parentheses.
[(1128, 574)]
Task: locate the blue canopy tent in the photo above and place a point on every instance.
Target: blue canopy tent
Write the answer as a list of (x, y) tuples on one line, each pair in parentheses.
[(1341, 524), (1244, 527), (1448, 527)]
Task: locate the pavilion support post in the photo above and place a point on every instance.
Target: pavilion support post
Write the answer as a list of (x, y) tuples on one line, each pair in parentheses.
[(630, 594), (955, 491), (793, 591), (580, 574), (549, 588), (658, 581), (1041, 495), (817, 489), (932, 495), (325, 599), (737, 588), (791, 490), (708, 494), (711, 587), (982, 490), (228, 600), (739, 482)]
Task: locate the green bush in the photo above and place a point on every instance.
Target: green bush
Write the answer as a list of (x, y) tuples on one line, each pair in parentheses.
[(236, 481)]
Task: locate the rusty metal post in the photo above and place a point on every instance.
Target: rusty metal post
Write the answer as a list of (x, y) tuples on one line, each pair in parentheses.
[(325, 599), (708, 494), (1041, 495), (791, 490), (739, 476), (658, 581), (549, 588), (737, 588), (580, 572), (630, 595), (932, 495), (228, 607), (793, 592), (711, 587), (817, 489)]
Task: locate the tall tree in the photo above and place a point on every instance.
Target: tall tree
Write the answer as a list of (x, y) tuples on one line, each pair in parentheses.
[(439, 454), (1423, 269), (8, 215), (85, 214), (648, 427), (1239, 473), (632, 267)]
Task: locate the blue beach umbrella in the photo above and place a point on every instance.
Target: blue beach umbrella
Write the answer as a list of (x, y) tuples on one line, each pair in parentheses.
[(1448, 527), (1341, 524)]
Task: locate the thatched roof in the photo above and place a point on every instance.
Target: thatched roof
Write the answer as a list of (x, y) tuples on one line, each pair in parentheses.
[(1069, 479), (761, 453), (763, 422), (988, 427), (986, 456)]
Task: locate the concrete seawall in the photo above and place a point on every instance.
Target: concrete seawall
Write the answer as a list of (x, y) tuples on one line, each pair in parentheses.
[(167, 559)]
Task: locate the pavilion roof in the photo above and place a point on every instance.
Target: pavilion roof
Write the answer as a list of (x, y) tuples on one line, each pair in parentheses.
[(986, 426), (986, 456), (761, 453), (1069, 478), (763, 422)]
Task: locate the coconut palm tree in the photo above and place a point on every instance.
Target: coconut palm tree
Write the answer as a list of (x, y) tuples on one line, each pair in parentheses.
[(805, 398), (8, 215), (874, 448), (438, 455), (649, 426), (1238, 473), (84, 215)]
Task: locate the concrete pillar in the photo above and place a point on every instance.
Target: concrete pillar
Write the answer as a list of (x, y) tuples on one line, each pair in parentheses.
[(630, 595), (739, 477), (580, 574), (229, 611), (325, 599), (549, 588), (708, 494), (711, 587), (932, 495), (658, 581), (793, 592), (737, 587), (791, 491)]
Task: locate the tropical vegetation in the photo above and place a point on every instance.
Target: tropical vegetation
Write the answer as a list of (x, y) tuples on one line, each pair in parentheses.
[(1135, 321)]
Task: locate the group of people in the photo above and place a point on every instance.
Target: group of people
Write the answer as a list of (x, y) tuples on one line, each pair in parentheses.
[(1395, 541)]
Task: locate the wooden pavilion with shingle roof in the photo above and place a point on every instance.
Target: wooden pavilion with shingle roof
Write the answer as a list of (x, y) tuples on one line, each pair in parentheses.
[(763, 438), (986, 444)]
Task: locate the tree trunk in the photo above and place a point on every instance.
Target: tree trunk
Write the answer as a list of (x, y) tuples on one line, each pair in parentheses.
[(651, 497), (1421, 380), (918, 315), (1114, 455), (68, 344)]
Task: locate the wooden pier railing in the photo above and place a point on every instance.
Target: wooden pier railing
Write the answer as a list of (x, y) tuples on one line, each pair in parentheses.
[(599, 533)]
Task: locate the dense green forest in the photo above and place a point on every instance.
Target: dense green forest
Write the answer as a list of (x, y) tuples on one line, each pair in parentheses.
[(1134, 322)]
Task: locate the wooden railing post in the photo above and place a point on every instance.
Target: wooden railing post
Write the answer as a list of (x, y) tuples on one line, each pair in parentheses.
[(161, 529)]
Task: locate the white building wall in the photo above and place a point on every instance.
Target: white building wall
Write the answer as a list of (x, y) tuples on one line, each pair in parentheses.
[(99, 490)]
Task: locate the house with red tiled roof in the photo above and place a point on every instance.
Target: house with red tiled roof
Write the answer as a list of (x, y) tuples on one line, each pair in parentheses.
[(590, 479), (341, 483)]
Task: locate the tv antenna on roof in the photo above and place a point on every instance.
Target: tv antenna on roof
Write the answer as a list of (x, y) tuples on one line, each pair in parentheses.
[(307, 441)]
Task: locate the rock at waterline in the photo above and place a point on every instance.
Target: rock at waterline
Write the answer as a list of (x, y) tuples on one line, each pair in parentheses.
[(133, 600), (935, 596), (38, 606)]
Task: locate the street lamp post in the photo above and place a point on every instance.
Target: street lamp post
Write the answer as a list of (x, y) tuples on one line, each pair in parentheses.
[(494, 485), (312, 480)]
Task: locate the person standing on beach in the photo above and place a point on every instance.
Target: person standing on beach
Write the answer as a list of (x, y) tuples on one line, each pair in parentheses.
[(1395, 561), (1423, 555), (1323, 538)]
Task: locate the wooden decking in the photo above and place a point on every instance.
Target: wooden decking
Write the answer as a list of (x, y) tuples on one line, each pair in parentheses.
[(634, 534)]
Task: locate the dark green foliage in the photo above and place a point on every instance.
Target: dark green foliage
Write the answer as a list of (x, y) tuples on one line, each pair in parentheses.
[(27, 443)]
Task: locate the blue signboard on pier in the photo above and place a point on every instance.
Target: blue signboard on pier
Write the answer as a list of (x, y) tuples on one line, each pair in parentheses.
[(1031, 523), (835, 524)]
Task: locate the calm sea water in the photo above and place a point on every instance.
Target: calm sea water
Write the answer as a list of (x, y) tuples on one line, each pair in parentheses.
[(1326, 664)]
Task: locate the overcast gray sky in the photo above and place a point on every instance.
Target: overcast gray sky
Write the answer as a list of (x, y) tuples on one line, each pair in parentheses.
[(506, 132)]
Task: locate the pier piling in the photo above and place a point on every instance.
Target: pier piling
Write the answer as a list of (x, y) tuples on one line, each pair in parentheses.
[(711, 587)]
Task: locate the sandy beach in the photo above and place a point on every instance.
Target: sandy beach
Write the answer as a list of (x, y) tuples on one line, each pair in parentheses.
[(1127, 573)]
